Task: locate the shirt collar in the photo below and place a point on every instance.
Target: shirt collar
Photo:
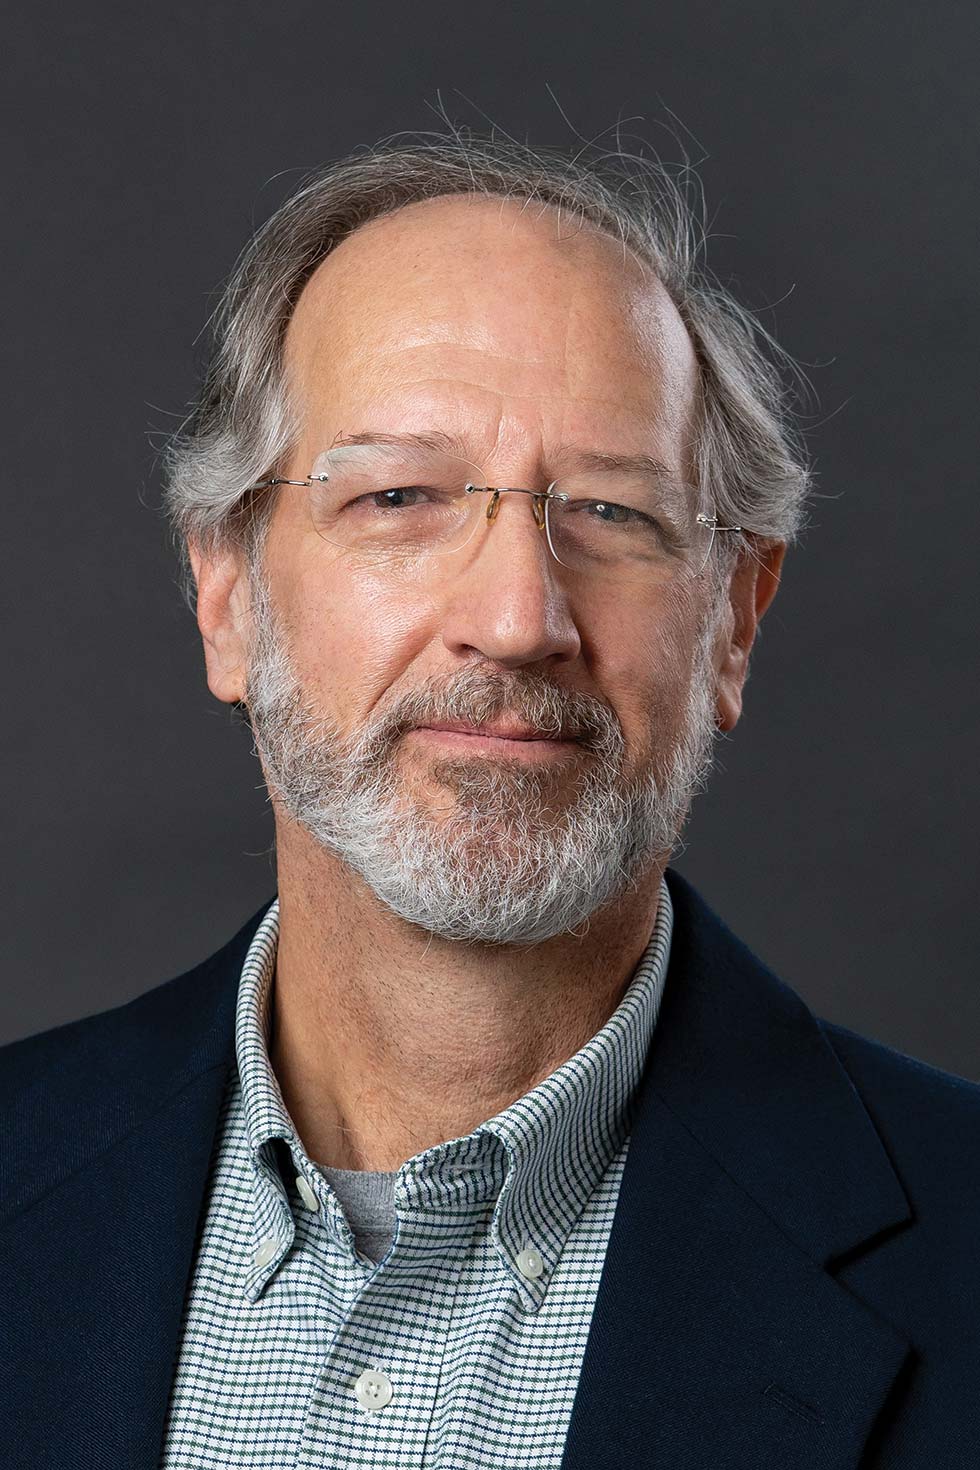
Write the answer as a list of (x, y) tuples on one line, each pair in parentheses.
[(545, 1153)]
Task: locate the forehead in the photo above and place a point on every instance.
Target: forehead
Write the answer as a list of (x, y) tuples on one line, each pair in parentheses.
[(461, 302)]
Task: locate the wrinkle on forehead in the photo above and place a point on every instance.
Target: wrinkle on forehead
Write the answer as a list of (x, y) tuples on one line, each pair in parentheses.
[(434, 392)]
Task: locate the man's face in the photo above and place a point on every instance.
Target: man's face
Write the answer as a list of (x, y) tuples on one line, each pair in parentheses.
[(474, 318)]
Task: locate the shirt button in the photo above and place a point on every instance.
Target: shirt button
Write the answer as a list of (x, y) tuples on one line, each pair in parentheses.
[(306, 1194), (530, 1264), (373, 1390), (267, 1249)]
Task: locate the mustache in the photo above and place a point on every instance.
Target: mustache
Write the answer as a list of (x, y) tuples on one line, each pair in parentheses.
[(476, 696)]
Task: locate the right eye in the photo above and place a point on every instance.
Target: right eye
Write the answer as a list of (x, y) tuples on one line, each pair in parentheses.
[(402, 494)]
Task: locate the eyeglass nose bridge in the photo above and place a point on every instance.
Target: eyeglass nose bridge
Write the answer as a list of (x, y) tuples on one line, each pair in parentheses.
[(538, 498)]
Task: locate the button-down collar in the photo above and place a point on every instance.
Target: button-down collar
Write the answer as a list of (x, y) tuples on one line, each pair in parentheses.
[(541, 1157)]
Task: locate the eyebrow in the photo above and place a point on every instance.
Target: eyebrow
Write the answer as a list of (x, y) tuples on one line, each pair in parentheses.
[(594, 460)]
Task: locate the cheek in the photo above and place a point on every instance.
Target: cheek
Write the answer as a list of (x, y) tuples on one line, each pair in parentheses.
[(643, 666), (355, 636)]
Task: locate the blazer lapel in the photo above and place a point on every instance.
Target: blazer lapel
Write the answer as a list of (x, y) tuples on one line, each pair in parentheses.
[(101, 1208), (720, 1337)]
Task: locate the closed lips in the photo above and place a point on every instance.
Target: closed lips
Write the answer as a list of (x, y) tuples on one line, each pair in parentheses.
[(501, 732)]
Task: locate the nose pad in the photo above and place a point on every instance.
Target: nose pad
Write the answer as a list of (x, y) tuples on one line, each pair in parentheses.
[(537, 505)]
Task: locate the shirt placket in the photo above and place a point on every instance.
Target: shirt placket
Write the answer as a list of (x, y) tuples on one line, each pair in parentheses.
[(377, 1393)]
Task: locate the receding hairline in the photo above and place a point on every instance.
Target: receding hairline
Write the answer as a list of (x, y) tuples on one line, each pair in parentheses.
[(570, 223), (340, 258)]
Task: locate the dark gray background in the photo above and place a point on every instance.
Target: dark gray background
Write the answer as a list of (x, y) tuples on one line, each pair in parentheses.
[(838, 835)]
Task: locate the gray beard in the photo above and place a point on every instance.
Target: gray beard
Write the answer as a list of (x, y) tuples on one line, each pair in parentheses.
[(509, 857)]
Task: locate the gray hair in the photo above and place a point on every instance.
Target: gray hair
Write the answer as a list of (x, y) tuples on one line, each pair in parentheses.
[(748, 455)]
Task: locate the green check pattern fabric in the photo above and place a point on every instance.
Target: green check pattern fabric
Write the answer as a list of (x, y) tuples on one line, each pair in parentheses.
[(463, 1344)]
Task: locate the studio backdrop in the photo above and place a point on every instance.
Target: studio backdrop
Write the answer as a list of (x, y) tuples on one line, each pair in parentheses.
[(836, 147)]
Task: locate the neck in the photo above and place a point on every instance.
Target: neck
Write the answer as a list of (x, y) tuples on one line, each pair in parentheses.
[(389, 1040)]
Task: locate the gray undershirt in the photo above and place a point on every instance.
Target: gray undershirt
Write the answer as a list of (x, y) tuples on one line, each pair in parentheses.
[(368, 1201)]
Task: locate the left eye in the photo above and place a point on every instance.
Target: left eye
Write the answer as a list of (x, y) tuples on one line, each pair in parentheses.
[(610, 511), (602, 506)]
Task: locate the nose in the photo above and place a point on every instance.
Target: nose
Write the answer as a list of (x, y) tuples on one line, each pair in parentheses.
[(505, 600)]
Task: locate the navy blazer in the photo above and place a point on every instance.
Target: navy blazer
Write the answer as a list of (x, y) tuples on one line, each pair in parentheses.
[(791, 1282)]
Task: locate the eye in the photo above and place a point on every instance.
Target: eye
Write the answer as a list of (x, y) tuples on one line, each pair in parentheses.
[(403, 494), (611, 513), (603, 506)]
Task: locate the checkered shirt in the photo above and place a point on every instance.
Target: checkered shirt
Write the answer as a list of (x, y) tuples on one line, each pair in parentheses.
[(462, 1346)]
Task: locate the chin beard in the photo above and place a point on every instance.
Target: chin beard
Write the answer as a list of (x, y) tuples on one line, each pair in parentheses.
[(513, 854)]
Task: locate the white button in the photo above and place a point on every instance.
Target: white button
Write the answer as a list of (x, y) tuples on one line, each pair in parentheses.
[(306, 1194), (373, 1390), (530, 1264), (267, 1249)]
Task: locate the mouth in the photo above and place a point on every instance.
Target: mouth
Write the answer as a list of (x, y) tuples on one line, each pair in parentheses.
[(515, 741), (505, 731)]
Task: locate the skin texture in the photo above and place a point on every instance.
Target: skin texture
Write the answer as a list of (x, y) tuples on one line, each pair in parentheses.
[(519, 333)]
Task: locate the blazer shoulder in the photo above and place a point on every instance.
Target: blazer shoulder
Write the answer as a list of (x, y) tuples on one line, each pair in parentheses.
[(928, 1118), (92, 1051), (889, 1070), (42, 1057)]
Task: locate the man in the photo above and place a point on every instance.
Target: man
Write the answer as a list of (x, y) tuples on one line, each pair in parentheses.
[(486, 1143)]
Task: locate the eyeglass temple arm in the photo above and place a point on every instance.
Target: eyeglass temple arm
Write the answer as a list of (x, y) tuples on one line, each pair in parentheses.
[(712, 521), (267, 484)]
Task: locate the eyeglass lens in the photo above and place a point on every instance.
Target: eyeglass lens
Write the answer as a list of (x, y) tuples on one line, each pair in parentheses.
[(403, 505)]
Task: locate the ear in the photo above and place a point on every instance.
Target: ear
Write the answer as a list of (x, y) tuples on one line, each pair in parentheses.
[(223, 608), (751, 590)]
